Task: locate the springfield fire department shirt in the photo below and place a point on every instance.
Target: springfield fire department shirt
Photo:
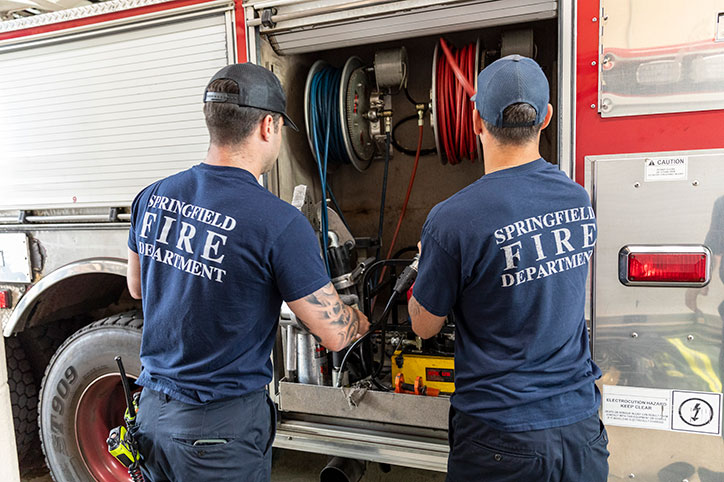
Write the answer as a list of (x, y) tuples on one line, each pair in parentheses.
[(508, 255), (218, 255)]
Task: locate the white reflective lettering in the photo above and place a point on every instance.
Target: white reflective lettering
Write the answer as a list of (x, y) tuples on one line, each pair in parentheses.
[(562, 236), (167, 223), (148, 220), (511, 255), (210, 245), (188, 231)]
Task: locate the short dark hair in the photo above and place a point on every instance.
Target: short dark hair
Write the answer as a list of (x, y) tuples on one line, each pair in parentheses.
[(519, 113), (231, 124)]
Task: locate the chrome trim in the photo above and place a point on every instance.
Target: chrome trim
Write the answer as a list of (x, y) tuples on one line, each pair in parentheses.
[(366, 444), (274, 3), (315, 10), (105, 27), (567, 87), (231, 47), (66, 218), (11, 228), (650, 248), (75, 13), (17, 320)]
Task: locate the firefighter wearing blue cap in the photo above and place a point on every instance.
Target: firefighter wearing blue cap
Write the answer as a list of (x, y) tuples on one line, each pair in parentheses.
[(509, 256), (213, 254)]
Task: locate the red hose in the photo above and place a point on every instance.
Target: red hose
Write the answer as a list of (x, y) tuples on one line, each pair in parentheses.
[(455, 79), (460, 74)]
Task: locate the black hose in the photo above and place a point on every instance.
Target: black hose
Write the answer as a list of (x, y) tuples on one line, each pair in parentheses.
[(401, 251), (373, 327), (384, 193), (385, 314), (405, 150), (413, 101)]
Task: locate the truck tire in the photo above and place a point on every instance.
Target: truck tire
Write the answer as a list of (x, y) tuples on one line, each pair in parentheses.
[(23, 395), (81, 399)]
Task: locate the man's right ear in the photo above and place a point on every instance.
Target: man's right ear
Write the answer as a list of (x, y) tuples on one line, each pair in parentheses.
[(267, 127), (477, 123)]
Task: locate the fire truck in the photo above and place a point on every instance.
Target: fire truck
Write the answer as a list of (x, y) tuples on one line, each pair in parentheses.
[(98, 101)]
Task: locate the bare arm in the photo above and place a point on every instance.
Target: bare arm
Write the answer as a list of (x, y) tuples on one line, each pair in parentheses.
[(424, 324), (133, 275), (334, 324)]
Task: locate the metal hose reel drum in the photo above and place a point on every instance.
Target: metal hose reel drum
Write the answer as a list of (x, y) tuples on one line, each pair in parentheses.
[(355, 107), (363, 106)]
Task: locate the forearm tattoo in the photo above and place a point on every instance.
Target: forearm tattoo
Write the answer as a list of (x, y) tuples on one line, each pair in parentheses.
[(413, 307), (305, 327), (339, 315)]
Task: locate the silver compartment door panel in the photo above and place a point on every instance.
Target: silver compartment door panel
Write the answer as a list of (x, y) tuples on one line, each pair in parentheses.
[(657, 337)]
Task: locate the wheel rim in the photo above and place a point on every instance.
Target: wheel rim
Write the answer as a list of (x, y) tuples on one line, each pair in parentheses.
[(101, 408)]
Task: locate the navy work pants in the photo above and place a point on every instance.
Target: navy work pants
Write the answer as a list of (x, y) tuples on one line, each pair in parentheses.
[(479, 453), (228, 440)]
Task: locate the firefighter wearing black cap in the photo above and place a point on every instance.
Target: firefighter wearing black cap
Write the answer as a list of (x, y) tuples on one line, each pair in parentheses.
[(213, 254)]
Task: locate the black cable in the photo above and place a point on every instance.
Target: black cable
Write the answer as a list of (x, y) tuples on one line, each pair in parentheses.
[(404, 150), (373, 327), (404, 281), (413, 101), (401, 251), (384, 192)]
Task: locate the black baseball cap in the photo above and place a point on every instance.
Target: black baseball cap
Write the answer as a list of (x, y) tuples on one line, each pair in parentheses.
[(258, 88)]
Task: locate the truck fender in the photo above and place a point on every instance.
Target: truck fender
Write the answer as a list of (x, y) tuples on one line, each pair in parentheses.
[(22, 311)]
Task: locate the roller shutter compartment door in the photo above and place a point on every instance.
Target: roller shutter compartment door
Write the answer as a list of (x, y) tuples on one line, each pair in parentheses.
[(91, 120)]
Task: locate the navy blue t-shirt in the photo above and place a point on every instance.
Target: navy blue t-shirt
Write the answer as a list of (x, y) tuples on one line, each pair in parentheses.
[(218, 255), (508, 255)]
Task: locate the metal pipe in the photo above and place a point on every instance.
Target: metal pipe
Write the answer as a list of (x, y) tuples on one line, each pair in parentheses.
[(318, 11), (69, 218), (290, 355), (10, 228), (340, 469)]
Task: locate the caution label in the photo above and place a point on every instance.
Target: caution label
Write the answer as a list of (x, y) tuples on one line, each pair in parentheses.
[(666, 168), (663, 409)]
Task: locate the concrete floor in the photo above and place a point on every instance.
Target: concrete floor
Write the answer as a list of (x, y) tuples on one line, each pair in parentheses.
[(292, 466)]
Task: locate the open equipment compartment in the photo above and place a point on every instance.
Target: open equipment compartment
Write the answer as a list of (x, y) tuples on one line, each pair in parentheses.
[(313, 411)]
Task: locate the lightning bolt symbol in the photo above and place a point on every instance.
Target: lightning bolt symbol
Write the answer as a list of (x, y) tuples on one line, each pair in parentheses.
[(696, 409)]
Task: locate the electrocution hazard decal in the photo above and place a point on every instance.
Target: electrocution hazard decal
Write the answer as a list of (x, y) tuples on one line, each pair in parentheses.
[(666, 168), (637, 407), (663, 409)]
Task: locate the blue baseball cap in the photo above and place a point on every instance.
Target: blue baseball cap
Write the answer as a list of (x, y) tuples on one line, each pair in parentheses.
[(511, 80)]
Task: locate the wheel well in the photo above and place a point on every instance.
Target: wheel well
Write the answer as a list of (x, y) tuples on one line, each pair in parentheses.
[(88, 295)]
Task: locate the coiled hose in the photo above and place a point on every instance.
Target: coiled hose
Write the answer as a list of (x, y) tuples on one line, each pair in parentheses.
[(327, 139), (455, 79)]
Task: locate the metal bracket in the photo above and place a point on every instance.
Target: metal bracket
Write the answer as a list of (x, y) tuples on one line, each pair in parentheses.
[(266, 17), (113, 215), (21, 217)]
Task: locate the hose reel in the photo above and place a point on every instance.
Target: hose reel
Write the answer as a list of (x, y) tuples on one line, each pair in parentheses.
[(349, 110), (451, 112)]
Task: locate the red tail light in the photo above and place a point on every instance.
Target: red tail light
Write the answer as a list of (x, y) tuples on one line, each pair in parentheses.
[(665, 265), (5, 299)]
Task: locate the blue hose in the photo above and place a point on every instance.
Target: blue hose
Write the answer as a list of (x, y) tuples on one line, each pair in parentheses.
[(325, 124)]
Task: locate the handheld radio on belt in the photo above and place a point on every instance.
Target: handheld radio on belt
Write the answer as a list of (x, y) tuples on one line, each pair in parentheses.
[(121, 443)]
